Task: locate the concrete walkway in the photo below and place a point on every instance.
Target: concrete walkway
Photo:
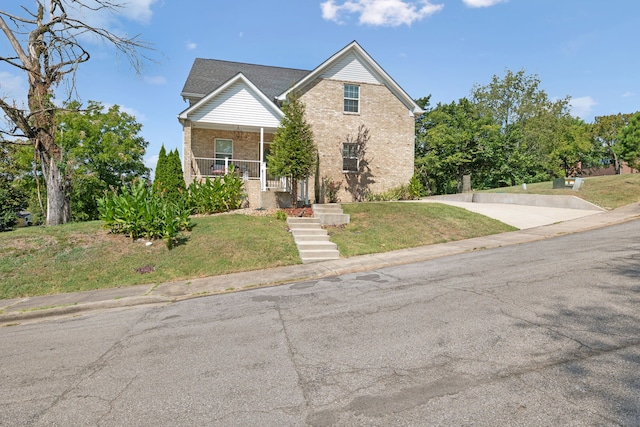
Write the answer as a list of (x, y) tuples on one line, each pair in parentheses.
[(25, 310), (520, 216)]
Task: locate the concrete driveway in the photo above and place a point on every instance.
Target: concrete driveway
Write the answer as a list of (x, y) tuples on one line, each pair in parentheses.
[(521, 210)]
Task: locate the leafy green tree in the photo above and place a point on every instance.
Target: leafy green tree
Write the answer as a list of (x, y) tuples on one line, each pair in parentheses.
[(293, 151), (572, 145), (12, 197), (629, 147), (103, 149), (527, 119), (47, 43), (606, 135), (451, 143)]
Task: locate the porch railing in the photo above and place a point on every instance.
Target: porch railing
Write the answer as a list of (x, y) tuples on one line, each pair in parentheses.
[(206, 167), (202, 167)]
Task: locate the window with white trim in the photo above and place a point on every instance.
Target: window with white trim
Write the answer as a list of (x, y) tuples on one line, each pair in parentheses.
[(222, 148), (349, 157), (351, 98)]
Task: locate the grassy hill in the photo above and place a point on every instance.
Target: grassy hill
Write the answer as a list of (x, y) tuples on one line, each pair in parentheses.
[(83, 256), (608, 192)]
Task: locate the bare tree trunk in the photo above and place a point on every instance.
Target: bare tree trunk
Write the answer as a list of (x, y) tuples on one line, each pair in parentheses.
[(58, 192), (294, 192), (617, 165)]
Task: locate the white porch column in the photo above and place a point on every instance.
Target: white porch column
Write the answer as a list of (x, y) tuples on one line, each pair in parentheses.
[(263, 174)]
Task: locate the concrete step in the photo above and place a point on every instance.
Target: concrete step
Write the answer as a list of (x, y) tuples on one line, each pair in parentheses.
[(318, 255), (316, 245), (302, 220), (308, 232), (304, 226), (312, 237), (312, 240), (330, 214)]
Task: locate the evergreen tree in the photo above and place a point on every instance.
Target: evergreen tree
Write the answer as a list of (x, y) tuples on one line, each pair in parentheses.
[(169, 180), (161, 168), (293, 152)]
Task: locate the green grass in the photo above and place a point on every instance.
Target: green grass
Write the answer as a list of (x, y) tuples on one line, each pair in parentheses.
[(384, 226), (83, 256), (609, 192)]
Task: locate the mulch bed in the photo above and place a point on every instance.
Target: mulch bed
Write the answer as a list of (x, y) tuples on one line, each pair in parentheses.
[(307, 211)]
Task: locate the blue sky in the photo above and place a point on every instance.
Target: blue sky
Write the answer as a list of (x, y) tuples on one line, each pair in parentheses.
[(584, 49)]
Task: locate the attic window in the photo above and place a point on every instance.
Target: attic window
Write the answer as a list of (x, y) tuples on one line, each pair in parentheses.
[(351, 98)]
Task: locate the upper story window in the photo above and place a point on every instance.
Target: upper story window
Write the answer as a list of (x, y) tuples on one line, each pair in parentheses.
[(351, 98)]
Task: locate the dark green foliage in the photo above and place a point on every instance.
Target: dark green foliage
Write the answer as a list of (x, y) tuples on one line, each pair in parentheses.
[(220, 194), (293, 152), (169, 179), (137, 212), (12, 200), (629, 146), (451, 142)]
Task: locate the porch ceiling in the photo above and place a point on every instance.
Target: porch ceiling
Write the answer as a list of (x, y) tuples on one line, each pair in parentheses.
[(231, 127)]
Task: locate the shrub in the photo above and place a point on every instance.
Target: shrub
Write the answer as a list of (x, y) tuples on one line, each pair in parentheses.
[(331, 189), (280, 215), (404, 192), (135, 211), (220, 194), (12, 199)]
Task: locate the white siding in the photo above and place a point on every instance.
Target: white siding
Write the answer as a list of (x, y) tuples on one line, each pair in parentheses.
[(351, 69), (237, 105)]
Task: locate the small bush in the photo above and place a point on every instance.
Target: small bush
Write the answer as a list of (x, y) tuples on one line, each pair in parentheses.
[(331, 189), (12, 200), (410, 191), (136, 212), (220, 194), (280, 215)]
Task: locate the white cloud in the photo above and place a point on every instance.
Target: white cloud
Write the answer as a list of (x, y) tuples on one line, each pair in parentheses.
[(12, 87), (628, 94), (390, 13), (582, 106), (138, 10), (482, 3), (151, 162), (191, 46), (155, 80)]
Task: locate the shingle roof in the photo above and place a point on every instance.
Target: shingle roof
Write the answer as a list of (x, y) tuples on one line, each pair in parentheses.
[(206, 75)]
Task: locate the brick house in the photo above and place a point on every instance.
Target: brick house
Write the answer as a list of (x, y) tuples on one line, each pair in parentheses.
[(234, 111)]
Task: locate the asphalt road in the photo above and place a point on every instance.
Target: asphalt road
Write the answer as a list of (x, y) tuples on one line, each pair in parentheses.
[(539, 334)]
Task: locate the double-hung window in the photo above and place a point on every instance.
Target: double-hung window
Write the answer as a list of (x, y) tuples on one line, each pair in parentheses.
[(351, 98), (349, 157), (223, 148)]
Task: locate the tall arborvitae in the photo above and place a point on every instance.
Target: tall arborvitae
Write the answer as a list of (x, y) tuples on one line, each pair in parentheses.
[(161, 171)]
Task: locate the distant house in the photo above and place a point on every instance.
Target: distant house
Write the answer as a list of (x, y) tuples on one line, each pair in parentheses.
[(234, 111)]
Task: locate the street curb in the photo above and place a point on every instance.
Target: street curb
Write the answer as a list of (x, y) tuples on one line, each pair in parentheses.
[(79, 308)]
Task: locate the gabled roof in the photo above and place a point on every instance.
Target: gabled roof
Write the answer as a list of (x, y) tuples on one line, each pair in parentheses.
[(357, 50), (265, 104), (207, 75)]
